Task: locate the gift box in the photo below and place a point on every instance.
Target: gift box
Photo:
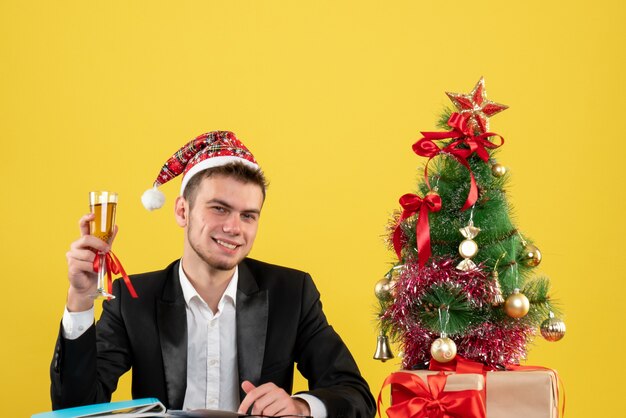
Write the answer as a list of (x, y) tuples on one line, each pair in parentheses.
[(427, 393), (522, 394)]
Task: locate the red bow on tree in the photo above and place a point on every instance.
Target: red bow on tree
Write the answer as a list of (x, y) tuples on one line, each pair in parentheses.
[(412, 204), (465, 145)]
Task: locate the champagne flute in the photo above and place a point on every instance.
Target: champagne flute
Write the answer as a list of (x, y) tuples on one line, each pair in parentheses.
[(103, 205)]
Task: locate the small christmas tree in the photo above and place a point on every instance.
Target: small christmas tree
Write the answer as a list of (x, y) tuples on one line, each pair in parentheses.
[(463, 281)]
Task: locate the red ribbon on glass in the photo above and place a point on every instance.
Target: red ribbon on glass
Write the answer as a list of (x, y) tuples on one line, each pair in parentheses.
[(411, 204), (430, 401), (426, 147), (114, 266)]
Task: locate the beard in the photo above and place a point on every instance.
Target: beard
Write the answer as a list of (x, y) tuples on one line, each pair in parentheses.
[(214, 261)]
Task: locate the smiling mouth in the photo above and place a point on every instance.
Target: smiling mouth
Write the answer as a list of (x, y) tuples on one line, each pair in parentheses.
[(226, 244)]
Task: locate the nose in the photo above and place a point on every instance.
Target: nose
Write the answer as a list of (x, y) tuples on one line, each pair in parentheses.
[(232, 225)]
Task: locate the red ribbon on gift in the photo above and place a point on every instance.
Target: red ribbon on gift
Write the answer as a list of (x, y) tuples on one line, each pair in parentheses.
[(460, 365), (411, 204), (430, 401), (114, 266), (426, 147)]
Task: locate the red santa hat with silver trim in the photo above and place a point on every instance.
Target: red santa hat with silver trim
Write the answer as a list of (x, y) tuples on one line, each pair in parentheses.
[(213, 149)]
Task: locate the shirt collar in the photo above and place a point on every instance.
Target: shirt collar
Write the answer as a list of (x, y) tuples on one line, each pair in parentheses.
[(189, 292)]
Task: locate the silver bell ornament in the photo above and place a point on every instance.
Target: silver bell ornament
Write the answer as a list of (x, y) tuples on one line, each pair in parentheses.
[(383, 349)]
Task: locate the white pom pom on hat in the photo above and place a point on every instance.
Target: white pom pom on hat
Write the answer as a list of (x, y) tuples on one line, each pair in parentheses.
[(153, 198), (212, 149)]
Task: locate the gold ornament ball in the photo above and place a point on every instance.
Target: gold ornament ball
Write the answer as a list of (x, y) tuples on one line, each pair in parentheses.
[(443, 349), (498, 170), (531, 256), (553, 329), (468, 248), (382, 289), (517, 305)]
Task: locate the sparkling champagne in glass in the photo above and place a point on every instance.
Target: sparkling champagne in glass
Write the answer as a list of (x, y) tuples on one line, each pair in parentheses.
[(103, 205)]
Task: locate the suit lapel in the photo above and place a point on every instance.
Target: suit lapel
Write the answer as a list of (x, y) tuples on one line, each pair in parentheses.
[(252, 314), (172, 323)]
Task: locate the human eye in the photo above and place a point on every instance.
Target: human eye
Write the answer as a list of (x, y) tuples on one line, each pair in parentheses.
[(249, 217), (217, 209)]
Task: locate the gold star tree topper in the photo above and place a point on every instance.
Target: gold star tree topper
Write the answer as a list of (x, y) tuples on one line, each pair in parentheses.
[(476, 106)]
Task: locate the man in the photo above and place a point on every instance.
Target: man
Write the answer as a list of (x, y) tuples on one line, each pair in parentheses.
[(215, 329)]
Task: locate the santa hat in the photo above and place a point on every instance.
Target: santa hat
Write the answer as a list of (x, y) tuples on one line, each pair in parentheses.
[(212, 149)]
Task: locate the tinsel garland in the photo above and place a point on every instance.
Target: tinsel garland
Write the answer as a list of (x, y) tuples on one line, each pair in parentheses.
[(496, 343), (413, 283), (488, 340)]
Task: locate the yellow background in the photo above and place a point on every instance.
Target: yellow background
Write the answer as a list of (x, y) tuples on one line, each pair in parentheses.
[(329, 95)]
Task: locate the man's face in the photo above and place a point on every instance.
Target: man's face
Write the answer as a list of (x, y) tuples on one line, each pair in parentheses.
[(222, 224)]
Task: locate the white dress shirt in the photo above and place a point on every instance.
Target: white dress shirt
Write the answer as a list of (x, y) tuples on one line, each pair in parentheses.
[(212, 373)]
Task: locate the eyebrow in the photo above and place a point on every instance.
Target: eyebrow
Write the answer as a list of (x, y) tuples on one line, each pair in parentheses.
[(229, 206)]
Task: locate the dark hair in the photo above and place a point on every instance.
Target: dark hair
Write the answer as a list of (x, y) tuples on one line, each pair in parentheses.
[(236, 170)]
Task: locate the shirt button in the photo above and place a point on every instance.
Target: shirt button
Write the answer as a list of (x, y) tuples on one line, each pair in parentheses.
[(213, 362), (80, 327)]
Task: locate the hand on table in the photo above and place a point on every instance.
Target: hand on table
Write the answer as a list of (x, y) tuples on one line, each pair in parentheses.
[(269, 399)]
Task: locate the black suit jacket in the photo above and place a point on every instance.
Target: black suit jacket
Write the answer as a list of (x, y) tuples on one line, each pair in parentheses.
[(280, 323)]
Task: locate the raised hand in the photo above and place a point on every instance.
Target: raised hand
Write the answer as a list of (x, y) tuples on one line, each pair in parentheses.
[(80, 257)]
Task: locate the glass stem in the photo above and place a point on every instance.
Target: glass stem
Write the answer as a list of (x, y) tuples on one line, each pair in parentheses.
[(101, 272)]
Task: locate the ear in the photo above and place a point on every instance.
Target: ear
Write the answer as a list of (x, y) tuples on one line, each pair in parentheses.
[(181, 211)]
